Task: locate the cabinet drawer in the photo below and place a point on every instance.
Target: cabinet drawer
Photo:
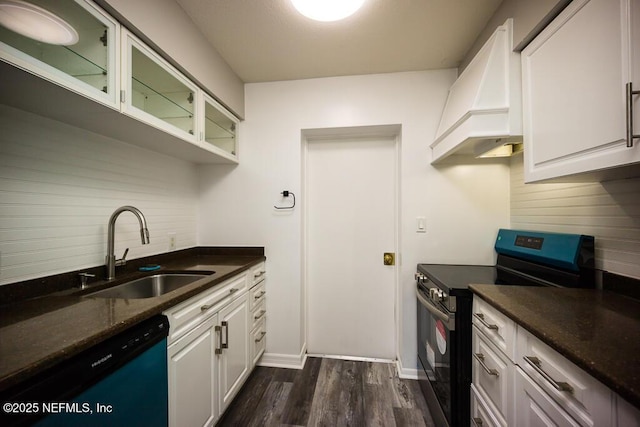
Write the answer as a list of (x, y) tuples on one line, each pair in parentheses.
[(258, 341), (186, 315), (500, 330), (536, 408), (492, 377), (258, 274), (481, 415), (257, 295), (581, 395), (258, 314)]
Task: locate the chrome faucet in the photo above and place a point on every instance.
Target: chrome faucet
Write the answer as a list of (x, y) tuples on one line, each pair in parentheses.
[(110, 259)]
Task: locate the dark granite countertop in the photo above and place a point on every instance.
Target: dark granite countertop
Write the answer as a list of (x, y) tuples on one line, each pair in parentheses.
[(38, 333), (599, 331)]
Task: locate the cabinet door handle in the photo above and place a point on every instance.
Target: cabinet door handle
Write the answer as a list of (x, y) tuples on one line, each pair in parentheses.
[(206, 307), (256, 275), (477, 421), (260, 295), (480, 317), (630, 93), (262, 335), (480, 358), (536, 364), (233, 290), (218, 330), (262, 312), (225, 343)]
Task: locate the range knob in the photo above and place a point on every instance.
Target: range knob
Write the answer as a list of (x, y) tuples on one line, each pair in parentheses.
[(437, 294)]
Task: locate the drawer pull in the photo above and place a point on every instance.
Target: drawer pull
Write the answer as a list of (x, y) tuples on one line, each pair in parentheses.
[(480, 317), (260, 295), (477, 421), (480, 358), (209, 306), (536, 364), (218, 330), (630, 93), (262, 313), (261, 273), (225, 325), (262, 335)]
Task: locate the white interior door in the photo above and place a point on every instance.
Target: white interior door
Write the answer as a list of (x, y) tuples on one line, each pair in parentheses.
[(351, 223)]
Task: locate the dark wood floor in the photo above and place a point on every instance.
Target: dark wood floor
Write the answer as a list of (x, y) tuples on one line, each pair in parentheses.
[(329, 392)]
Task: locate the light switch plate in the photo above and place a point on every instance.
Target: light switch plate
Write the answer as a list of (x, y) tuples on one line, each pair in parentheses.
[(421, 224)]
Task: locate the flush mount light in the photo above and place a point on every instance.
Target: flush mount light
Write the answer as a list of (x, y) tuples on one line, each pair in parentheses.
[(327, 10), (36, 23)]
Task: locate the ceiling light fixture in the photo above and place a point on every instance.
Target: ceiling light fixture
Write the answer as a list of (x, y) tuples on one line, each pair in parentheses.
[(327, 10), (36, 23)]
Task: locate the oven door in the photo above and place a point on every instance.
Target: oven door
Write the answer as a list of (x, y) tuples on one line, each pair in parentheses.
[(436, 329)]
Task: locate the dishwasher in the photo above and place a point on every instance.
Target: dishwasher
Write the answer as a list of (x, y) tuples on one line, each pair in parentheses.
[(121, 381)]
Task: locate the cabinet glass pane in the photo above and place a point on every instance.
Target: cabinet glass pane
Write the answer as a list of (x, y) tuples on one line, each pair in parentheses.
[(219, 130), (87, 60), (159, 93)]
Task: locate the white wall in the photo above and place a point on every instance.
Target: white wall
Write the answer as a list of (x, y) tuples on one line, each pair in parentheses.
[(462, 203), (609, 211), (59, 185)]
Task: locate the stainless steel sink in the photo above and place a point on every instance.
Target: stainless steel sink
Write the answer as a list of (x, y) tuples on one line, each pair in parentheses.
[(148, 287)]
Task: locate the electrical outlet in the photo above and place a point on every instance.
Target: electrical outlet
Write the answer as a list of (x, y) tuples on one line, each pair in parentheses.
[(172, 241)]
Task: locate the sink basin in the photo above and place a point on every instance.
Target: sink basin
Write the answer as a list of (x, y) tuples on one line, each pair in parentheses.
[(148, 287)]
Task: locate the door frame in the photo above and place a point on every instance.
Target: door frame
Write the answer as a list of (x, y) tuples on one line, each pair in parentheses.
[(308, 136)]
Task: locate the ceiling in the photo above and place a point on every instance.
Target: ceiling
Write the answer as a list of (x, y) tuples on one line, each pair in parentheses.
[(267, 40)]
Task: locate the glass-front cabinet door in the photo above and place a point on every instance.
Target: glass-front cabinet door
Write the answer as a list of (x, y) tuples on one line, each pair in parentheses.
[(157, 93), (71, 43), (219, 129)]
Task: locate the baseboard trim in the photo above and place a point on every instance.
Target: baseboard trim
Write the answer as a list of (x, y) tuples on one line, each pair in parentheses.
[(406, 373), (356, 358), (289, 361)]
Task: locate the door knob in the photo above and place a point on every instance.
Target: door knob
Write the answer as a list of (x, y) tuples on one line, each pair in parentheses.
[(389, 258)]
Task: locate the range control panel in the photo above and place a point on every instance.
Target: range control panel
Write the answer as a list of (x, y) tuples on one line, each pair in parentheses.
[(529, 242)]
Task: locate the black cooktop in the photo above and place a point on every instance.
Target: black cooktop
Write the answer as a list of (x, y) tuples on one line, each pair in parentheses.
[(451, 276)]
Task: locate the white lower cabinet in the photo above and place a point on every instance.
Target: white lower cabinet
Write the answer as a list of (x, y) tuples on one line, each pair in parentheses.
[(193, 396), (481, 415), (233, 360), (492, 378), (534, 407), (585, 399), (517, 380), (215, 340)]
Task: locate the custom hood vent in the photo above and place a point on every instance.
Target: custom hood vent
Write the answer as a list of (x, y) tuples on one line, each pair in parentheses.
[(484, 107)]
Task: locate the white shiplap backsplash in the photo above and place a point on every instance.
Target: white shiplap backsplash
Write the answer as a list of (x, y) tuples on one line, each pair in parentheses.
[(60, 184), (610, 211)]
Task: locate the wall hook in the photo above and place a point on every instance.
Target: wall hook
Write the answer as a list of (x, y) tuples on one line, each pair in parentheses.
[(286, 193)]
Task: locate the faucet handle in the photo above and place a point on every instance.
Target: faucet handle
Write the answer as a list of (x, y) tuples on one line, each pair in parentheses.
[(123, 260)]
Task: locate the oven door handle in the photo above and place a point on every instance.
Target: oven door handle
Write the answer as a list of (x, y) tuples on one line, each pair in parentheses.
[(449, 320)]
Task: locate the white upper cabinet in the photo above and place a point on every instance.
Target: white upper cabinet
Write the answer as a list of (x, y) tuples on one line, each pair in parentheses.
[(155, 92), (219, 129), (141, 98), (575, 75), (88, 66)]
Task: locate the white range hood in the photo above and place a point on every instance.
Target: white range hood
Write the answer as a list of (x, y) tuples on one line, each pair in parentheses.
[(484, 107)]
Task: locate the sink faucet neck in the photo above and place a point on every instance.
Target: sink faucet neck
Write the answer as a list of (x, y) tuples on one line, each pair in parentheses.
[(110, 259)]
